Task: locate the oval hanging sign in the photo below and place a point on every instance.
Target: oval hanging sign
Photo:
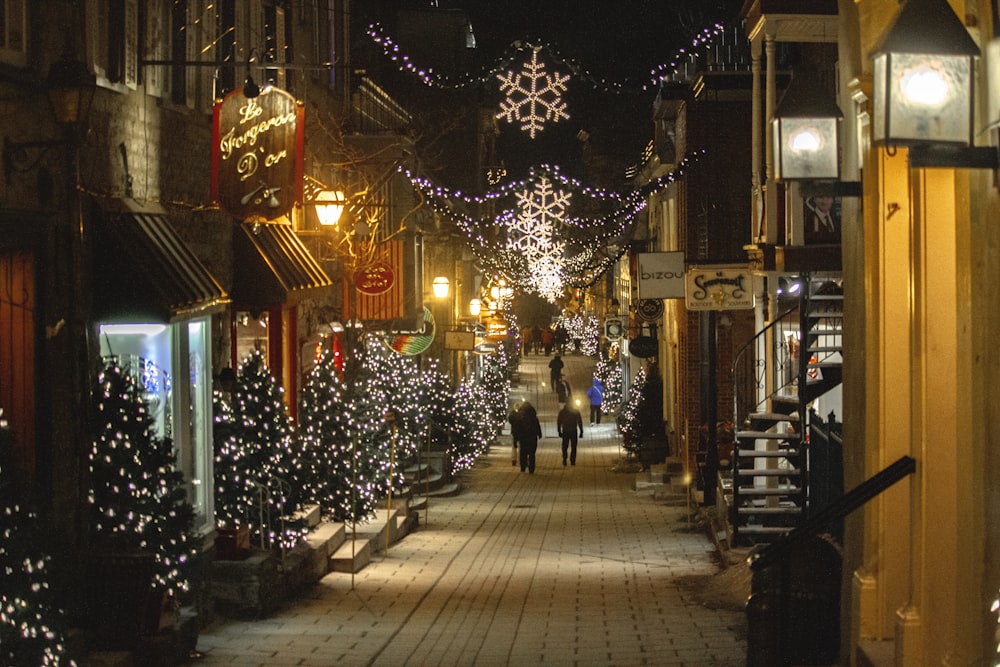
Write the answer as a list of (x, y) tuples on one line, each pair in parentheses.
[(412, 342), (643, 347), (257, 153), (375, 279)]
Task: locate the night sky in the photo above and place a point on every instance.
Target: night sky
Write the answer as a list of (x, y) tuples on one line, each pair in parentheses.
[(617, 42)]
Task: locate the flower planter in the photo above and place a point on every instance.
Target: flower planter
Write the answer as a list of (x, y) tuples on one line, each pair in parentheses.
[(232, 543)]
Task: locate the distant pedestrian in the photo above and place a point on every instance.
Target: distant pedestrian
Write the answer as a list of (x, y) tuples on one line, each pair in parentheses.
[(596, 397), (516, 426), (564, 391), (568, 422), (531, 431), (526, 341), (555, 370), (536, 339), (547, 341), (561, 337)]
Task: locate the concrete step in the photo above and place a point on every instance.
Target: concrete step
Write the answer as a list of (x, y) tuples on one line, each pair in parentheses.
[(352, 556)]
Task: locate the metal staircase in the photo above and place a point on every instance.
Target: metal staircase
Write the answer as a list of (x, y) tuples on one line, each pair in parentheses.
[(767, 490)]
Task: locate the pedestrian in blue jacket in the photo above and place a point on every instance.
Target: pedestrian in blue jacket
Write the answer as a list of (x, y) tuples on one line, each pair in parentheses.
[(596, 396)]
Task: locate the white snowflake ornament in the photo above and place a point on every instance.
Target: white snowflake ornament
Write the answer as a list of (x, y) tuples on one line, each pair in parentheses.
[(534, 96)]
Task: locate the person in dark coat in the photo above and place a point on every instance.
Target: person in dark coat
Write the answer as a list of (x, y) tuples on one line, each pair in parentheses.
[(564, 391), (555, 370), (515, 418), (568, 422), (530, 432)]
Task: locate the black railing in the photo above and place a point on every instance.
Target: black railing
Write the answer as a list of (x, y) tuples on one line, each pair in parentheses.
[(753, 376), (835, 511)]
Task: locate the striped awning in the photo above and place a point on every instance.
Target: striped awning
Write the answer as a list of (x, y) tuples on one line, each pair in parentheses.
[(144, 271), (273, 266)]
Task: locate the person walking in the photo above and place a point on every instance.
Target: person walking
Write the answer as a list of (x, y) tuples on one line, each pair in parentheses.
[(530, 432), (536, 339), (555, 371), (596, 397), (567, 423), (516, 419), (547, 341), (564, 391)]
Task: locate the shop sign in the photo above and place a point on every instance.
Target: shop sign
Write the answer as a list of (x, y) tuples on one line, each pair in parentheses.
[(719, 288), (257, 154), (375, 279), (661, 275), (649, 310), (643, 347), (412, 342), (485, 347)]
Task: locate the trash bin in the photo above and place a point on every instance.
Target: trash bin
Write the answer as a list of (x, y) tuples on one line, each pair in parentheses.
[(793, 614)]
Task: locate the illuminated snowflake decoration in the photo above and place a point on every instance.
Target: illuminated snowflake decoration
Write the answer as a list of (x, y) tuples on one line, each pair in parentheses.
[(533, 235), (534, 96)]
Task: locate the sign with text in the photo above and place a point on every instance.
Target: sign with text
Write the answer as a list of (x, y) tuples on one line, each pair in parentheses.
[(718, 288), (257, 146), (374, 279), (661, 275)]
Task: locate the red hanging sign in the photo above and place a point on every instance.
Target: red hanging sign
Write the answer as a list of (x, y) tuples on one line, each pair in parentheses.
[(377, 278)]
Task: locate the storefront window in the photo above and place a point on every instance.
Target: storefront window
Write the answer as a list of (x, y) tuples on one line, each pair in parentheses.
[(251, 334), (157, 355)]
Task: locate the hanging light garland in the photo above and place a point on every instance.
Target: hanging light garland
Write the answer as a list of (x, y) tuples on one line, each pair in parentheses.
[(673, 70), (597, 242)]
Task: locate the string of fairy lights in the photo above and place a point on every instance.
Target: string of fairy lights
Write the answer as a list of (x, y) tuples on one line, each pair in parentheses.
[(670, 70), (531, 241), (536, 245)]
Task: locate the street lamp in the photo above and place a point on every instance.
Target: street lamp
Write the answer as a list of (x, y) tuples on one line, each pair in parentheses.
[(924, 88), (805, 132), (440, 287), (475, 307), (329, 206)]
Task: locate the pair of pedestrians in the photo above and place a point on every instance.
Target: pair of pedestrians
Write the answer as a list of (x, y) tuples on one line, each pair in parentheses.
[(526, 431)]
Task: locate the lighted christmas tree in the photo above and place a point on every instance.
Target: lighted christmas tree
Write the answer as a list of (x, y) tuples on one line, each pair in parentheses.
[(441, 407), (609, 373), (371, 434), (325, 440), (137, 495), (628, 417), (31, 621), (472, 432), (270, 457), (234, 478)]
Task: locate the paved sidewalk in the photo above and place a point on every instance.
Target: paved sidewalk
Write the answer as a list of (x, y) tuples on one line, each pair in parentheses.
[(569, 566)]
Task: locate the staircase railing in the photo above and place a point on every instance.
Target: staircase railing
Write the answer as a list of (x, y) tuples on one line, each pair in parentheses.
[(835, 511), (752, 374)]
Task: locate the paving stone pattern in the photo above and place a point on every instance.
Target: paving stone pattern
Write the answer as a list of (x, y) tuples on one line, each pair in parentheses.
[(568, 566)]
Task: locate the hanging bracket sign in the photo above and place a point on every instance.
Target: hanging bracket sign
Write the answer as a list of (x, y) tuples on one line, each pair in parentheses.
[(375, 279), (257, 146), (718, 288)]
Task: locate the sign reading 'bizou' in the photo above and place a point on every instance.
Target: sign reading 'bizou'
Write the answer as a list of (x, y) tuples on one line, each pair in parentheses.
[(718, 288), (257, 154)]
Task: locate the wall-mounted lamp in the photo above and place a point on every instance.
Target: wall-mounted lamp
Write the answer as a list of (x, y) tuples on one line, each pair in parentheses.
[(475, 307), (805, 130), (924, 88), (70, 89), (440, 287), (329, 206), (250, 88), (789, 286)]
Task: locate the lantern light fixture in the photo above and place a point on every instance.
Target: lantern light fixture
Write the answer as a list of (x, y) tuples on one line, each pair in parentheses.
[(440, 287), (330, 206), (924, 88), (475, 307), (805, 131)]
